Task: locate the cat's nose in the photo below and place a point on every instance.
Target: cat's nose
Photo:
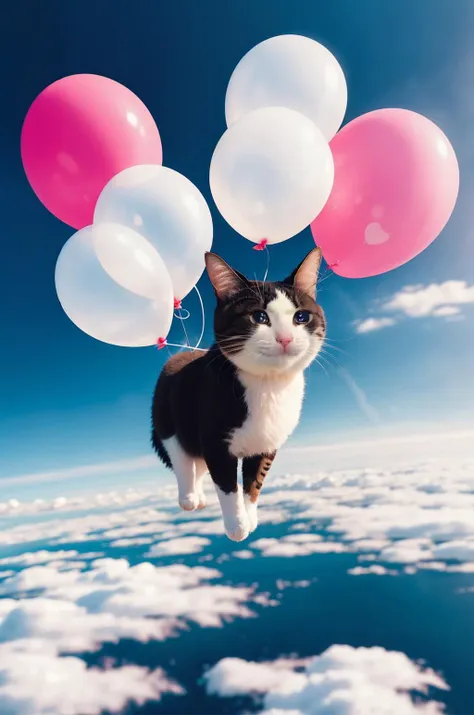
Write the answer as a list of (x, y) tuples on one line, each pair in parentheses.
[(284, 340)]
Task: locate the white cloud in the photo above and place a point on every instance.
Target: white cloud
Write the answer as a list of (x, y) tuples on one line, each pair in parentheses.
[(369, 325), (438, 300), (177, 547), (243, 554), (124, 543), (66, 686), (420, 301), (374, 569), (73, 503), (53, 612), (455, 550), (446, 310), (234, 676), (39, 557), (342, 681), (297, 545), (282, 585), (407, 551)]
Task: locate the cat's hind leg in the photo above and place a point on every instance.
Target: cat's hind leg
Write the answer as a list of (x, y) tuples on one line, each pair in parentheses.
[(254, 471), (184, 470), (201, 470)]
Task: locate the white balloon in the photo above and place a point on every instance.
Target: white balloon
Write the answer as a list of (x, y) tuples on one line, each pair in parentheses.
[(271, 174), (167, 210), (289, 71), (101, 307), (129, 259)]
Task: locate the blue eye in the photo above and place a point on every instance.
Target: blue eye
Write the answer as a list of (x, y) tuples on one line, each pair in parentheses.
[(302, 316), (260, 317)]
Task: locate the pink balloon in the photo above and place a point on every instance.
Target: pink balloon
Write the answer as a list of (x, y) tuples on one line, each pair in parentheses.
[(79, 133), (395, 187)]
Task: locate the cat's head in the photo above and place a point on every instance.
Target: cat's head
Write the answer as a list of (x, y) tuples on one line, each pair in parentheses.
[(268, 328)]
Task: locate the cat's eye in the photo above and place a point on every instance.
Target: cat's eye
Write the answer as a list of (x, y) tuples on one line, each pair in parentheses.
[(302, 317), (260, 317)]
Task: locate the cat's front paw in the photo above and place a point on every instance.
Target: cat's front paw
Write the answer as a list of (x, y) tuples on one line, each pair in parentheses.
[(238, 530), (189, 502)]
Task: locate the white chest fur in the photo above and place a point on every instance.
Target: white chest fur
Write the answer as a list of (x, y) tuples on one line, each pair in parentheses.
[(274, 408)]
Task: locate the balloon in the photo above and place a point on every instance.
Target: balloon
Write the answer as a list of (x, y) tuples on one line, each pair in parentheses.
[(129, 259), (289, 71), (395, 187), (78, 133), (101, 307), (169, 211), (271, 173)]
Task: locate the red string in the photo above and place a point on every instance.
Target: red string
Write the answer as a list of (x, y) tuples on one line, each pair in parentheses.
[(177, 304), (161, 343), (262, 245)]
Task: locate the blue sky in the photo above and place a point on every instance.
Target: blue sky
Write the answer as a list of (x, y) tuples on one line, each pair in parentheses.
[(67, 400)]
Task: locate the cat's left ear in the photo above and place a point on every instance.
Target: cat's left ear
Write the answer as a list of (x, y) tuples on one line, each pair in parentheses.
[(305, 276), (225, 280)]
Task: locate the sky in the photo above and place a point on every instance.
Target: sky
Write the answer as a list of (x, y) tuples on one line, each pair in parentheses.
[(68, 402)]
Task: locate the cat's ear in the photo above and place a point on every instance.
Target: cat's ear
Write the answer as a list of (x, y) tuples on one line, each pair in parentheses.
[(305, 276), (226, 280)]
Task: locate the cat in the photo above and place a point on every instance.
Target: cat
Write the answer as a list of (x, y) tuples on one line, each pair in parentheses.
[(242, 398)]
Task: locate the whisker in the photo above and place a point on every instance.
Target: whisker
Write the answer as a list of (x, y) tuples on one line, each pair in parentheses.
[(328, 355), (322, 367), (334, 347)]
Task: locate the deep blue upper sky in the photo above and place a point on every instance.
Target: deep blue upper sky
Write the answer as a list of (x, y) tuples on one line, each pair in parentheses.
[(66, 399)]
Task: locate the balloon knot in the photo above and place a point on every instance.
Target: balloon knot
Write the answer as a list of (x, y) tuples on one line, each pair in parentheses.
[(262, 245), (161, 343), (333, 265), (177, 304)]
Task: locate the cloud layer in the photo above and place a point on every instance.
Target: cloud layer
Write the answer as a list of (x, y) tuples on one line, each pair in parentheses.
[(341, 681), (60, 595), (77, 611)]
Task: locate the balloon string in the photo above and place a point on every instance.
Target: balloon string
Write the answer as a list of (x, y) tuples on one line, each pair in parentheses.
[(203, 319), (179, 313), (182, 316), (268, 264)]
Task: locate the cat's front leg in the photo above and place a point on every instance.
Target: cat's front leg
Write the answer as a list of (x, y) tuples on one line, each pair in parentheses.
[(254, 471), (223, 470)]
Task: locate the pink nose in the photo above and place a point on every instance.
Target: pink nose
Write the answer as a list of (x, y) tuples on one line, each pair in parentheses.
[(284, 340)]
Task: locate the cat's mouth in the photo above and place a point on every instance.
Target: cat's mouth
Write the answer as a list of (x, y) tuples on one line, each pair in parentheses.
[(281, 353)]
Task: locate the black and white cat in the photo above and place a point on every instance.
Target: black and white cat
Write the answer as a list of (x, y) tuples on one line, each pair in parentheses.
[(242, 398)]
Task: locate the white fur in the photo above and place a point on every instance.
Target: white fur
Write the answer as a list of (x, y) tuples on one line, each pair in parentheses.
[(252, 512), (189, 474), (236, 521), (274, 407)]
